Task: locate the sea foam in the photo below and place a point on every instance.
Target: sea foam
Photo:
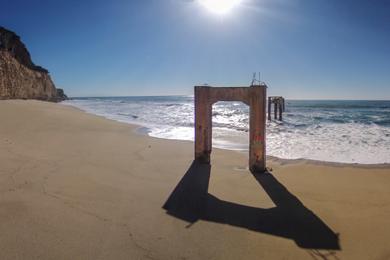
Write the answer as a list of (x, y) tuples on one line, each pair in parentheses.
[(334, 131)]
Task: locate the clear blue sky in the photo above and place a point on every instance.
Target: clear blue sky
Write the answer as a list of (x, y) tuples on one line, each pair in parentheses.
[(303, 48)]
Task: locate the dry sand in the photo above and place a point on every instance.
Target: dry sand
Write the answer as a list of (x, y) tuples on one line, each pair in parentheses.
[(78, 186)]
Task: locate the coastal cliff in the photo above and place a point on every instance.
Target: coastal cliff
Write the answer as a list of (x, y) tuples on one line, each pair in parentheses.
[(20, 78)]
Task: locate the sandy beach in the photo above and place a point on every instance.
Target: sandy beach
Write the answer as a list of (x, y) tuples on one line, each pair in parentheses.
[(78, 186)]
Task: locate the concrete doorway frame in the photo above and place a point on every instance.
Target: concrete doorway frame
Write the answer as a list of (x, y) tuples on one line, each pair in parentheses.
[(253, 96)]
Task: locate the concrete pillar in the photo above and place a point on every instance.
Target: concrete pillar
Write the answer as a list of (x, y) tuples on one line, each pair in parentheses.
[(280, 110), (275, 109), (203, 124), (269, 108), (257, 102)]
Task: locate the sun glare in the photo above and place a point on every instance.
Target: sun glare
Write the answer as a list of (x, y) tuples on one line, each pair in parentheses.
[(220, 6)]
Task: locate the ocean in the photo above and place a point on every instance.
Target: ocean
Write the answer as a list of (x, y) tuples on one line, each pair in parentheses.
[(327, 130)]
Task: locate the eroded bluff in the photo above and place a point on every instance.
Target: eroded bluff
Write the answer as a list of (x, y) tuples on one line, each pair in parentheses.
[(20, 78)]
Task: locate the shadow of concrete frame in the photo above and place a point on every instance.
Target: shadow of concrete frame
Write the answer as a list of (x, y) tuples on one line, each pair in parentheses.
[(255, 97)]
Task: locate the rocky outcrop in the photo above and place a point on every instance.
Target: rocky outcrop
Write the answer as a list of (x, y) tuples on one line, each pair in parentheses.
[(20, 78), (61, 94)]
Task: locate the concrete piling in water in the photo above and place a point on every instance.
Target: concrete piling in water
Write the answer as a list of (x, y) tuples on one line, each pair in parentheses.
[(275, 111), (269, 108), (279, 107)]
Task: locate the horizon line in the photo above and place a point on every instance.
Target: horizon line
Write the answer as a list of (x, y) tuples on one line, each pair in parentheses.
[(184, 95)]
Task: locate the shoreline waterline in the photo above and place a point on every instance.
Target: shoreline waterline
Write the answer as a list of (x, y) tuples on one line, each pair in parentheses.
[(142, 129)]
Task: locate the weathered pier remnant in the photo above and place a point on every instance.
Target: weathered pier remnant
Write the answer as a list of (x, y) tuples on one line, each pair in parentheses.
[(255, 97), (279, 107)]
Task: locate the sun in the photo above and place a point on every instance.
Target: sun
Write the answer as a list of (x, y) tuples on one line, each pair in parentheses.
[(220, 6)]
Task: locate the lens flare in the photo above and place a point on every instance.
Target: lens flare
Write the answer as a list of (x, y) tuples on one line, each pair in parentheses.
[(220, 6)]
